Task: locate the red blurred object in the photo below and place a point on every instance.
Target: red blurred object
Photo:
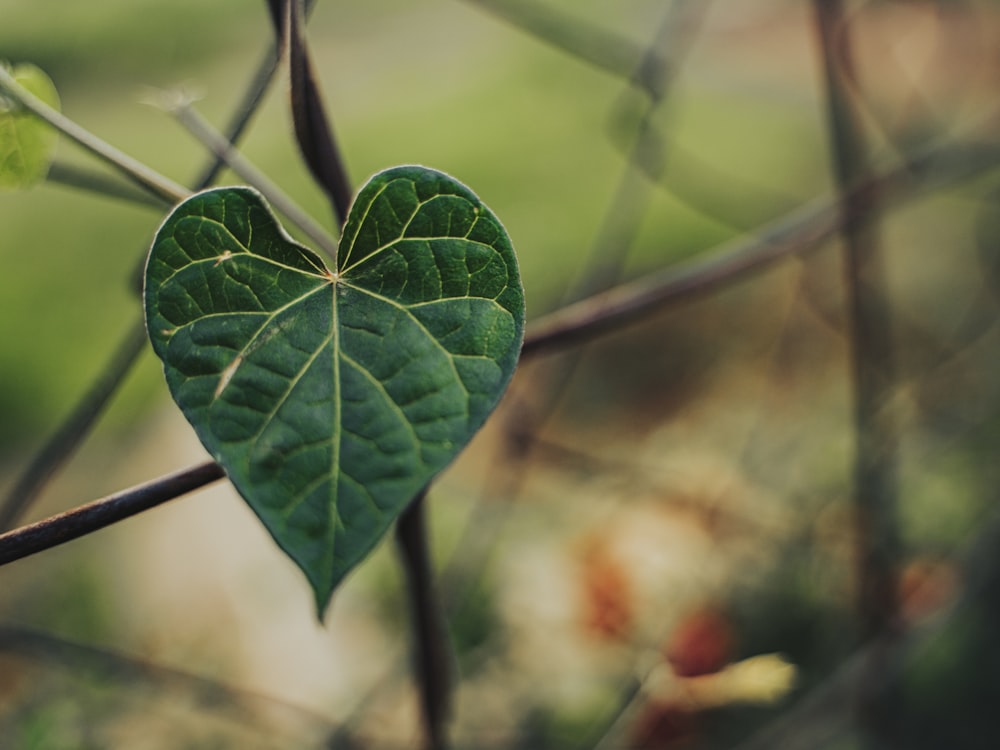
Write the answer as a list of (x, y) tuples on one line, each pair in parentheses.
[(663, 725), (702, 643)]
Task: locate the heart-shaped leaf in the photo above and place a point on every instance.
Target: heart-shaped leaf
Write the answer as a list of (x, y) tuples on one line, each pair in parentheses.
[(26, 143), (331, 398)]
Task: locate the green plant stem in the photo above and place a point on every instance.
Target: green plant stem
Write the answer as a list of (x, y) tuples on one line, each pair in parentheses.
[(802, 231), (432, 649), (73, 429), (137, 172), (875, 488), (93, 181), (65, 527), (225, 152)]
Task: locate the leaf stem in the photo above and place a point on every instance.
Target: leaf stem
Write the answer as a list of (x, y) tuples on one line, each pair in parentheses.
[(433, 651), (137, 172), (98, 514)]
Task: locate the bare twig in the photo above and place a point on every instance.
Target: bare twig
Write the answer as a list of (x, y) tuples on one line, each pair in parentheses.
[(312, 126), (243, 113), (875, 483), (81, 521), (433, 651)]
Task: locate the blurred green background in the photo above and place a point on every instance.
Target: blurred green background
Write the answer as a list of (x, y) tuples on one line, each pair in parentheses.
[(693, 468)]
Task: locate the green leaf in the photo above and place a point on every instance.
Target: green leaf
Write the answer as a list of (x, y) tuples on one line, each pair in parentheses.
[(26, 143), (333, 398)]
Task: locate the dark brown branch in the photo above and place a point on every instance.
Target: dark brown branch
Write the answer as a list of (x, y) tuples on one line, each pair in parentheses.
[(312, 126), (91, 517), (432, 649)]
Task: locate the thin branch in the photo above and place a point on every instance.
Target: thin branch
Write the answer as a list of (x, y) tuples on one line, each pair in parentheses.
[(91, 517), (137, 172), (593, 44), (247, 108), (432, 650), (802, 231), (73, 430), (225, 152)]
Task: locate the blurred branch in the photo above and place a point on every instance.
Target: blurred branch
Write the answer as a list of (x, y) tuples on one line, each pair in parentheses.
[(243, 113), (800, 232), (875, 483), (72, 431), (74, 176), (73, 524), (870, 335), (226, 152), (146, 178)]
